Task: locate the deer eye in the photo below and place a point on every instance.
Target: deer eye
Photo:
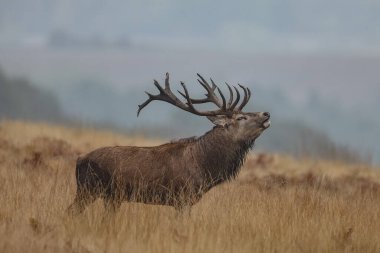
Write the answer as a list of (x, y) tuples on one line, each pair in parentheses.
[(242, 118)]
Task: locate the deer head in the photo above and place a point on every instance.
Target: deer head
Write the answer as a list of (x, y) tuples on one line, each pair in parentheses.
[(241, 126)]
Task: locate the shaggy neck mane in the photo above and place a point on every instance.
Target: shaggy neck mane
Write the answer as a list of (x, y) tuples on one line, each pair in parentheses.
[(219, 155)]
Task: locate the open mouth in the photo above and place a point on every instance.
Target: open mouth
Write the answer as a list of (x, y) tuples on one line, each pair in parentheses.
[(266, 124)]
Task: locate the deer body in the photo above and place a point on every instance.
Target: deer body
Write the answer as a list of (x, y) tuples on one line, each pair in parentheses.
[(176, 173)]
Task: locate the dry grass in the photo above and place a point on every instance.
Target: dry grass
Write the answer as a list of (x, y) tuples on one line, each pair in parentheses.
[(277, 204)]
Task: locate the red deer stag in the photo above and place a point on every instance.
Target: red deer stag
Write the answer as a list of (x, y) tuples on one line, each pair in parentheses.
[(176, 173)]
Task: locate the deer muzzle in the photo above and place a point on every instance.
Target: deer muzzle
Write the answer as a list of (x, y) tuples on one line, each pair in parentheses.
[(266, 119)]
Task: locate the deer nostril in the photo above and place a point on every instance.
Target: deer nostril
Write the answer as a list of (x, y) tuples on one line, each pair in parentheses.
[(266, 114)]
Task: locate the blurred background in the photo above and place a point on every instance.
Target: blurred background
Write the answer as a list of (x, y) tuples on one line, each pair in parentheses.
[(315, 65)]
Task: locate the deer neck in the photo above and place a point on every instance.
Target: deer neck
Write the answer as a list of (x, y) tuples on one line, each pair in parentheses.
[(219, 155)]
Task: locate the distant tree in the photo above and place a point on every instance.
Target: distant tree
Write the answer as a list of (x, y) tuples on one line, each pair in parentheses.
[(20, 99)]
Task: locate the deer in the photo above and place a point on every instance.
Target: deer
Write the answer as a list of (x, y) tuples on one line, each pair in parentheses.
[(180, 172)]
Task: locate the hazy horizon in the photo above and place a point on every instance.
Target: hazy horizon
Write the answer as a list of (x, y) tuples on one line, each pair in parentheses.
[(310, 62)]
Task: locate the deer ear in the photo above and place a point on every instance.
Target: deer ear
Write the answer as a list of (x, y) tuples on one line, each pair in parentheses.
[(219, 120)]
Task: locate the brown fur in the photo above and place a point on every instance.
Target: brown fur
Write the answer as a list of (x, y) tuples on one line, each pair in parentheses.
[(175, 174)]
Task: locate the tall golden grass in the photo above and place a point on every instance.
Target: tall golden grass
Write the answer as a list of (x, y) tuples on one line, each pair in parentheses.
[(277, 204)]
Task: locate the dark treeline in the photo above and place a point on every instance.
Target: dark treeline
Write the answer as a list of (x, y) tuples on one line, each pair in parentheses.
[(19, 99)]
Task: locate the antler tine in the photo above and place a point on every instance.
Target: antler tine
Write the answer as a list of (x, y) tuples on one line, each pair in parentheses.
[(231, 96), (224, 108), (188, 99), (205, 83), (164, 95), (210, 96), (167, 84), (210, 90), (150, 99), (249, 93), (237, 99), (246, 97), (196, 100), (222, 111), (221, 95)]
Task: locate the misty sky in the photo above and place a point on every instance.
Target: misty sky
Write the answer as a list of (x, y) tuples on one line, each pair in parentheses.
[(288, 27), (261, 25)]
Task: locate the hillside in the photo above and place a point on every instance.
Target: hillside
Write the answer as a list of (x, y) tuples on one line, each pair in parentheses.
[(277, 204), (20, 99)]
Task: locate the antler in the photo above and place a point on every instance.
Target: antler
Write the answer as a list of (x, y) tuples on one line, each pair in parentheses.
[(224, 108)]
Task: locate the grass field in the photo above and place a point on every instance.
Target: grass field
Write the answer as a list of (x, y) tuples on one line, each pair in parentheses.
[(277, 204)]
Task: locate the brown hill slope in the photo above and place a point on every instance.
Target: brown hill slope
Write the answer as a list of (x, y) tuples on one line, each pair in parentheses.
[(277, 204)]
